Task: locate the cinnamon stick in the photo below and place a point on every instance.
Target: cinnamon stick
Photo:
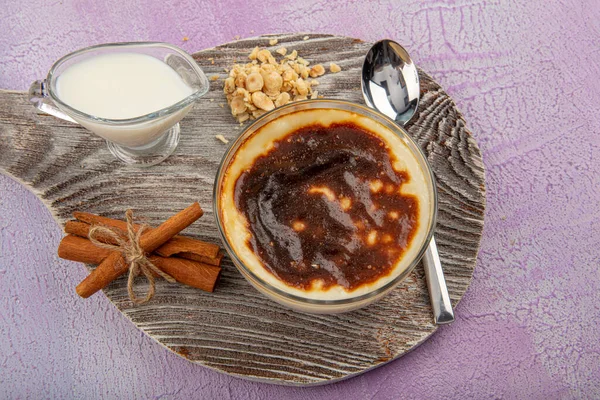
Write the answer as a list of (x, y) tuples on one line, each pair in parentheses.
[(181, 246), (76, 248), (82, 229), (174, 247), (114, 266), (206, 260), (191, 273)]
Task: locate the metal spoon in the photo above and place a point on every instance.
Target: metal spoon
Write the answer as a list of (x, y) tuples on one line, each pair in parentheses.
[(390, 84)]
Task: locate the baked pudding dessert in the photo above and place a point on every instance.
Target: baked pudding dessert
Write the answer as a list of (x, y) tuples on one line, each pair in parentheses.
[(325, 204)]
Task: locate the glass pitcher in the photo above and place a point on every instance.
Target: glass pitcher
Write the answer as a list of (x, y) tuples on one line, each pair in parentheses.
[(144, 140)]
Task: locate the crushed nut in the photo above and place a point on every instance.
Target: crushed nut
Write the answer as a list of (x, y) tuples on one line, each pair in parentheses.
[(264, 83), (317, 70), (272, 42), (258, 113), (254, 53), (237, 105), (302, 61), (261, 101), (333, 67), (292, 55), (301, 87), (282, 99), (273, 82), (264, 56), (240, 80), (289, 75), (214, 77), (254, 82), (222, 138), (229, 85)]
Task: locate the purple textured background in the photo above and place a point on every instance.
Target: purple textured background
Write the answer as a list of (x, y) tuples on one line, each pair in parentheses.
[(525, 75)]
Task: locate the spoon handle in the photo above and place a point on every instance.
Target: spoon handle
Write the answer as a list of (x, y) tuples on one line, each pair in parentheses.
[(438, 292)]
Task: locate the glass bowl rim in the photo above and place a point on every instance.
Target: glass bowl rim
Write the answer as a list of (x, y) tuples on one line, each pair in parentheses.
[(306, 105), (135, 120)]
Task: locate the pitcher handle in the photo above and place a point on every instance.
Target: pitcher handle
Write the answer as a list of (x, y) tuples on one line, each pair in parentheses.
[(38, 95)]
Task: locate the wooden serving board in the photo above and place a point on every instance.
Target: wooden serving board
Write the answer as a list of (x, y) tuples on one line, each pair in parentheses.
[(235, 329)]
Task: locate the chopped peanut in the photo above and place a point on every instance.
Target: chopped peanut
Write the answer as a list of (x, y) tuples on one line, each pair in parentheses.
[(264, 83), (268, 68), (261, 101), (242, 93), (304, 72), (282, 99), (254, 82), (289, 75), (222, 138), (237, 105), (292, 55), (258, 113), (240, 80), (301, 87), (333, 67), (273, 82), (254, 53), (229, 85), (263, 55), (243, 117), (317, 70)]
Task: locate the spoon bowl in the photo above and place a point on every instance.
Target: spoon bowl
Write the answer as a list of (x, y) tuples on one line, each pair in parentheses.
[(390, 81)]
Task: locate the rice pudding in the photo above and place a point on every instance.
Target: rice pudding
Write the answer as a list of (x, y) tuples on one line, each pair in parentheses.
[(325, 204)]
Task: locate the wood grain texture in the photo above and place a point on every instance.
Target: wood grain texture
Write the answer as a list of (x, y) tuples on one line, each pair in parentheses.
[(235, 329)]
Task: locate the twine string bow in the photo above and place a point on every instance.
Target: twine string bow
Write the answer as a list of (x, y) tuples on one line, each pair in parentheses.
[(129, 246)]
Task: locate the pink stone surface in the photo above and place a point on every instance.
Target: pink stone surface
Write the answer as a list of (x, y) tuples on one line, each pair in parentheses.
[(525, 74)]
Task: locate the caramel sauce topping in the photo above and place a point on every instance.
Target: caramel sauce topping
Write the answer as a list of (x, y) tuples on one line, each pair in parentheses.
[(325, 204)]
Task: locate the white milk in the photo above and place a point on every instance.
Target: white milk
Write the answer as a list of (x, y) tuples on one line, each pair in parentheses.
[(121, 86)]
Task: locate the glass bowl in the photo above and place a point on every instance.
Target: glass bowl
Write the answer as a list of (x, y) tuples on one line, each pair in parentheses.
[(306, 304)]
